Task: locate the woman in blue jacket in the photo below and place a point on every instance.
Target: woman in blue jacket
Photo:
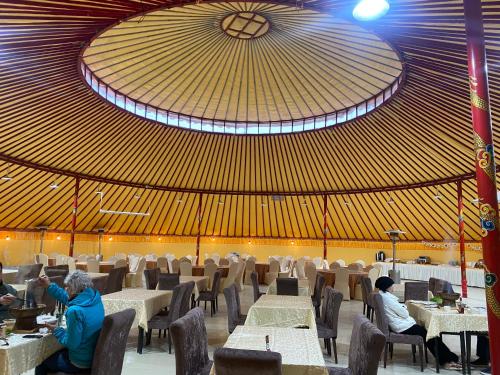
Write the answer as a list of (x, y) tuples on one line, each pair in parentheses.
[(84, 317)]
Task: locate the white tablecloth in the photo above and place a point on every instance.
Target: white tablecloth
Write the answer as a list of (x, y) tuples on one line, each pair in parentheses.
[(25, 354), (299, 348), (422, 272), (282, 311), (438, 320), (303, 288), (146, 303)]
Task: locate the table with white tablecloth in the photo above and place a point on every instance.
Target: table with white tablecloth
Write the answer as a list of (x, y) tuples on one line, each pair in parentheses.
[(299, 348), (423, 272), (22, 354), (303, 288), (282, 311)]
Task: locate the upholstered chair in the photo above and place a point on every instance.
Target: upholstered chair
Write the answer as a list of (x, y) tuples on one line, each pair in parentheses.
[(92, 265), (274, 270), (328, 325), (121, 263), (342, 283), (229, 361), (115, 280), (209, 271), (134, 279), (211, 295), (168, 281), (334, 266), (61, 270), (175, 266), (287, 286), (318, 292), (416, 290), (27, 272), (162, 264), (254, 276), (366, 291), (223, 262), (186, 268), (355, 267), (152, 277), (234, 316), (231, 275), (188, 297), (311, 272), (239, 275)]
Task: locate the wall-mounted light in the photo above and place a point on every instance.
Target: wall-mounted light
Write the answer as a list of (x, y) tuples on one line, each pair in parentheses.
[(292, 243), (110, 239), (7, 238), (58, 237)]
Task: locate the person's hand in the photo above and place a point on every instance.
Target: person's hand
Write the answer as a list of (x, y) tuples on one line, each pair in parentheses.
[(50, 327), (44, 281), (7, 299)]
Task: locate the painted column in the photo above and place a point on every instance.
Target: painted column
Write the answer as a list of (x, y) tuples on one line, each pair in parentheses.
[(73, 217), (461, 239), (485, 170), (325, 226), (198, 217)]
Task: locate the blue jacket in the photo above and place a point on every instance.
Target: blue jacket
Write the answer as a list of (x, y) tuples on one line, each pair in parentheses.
[(84, 318)]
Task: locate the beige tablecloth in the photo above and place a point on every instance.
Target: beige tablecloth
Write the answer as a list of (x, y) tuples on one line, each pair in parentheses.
[(438, 320), (146, 303), (303, 288), (299, 348), (282, 311), (25, 354), (8, 276)]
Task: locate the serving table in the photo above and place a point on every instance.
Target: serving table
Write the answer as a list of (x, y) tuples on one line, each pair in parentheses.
[(299, 348), (303, 288)]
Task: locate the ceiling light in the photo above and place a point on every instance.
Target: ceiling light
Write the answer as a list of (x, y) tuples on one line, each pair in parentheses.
[(390, 200), (58, 237), (110, 239), (7, 238), (54, 185), (369, 10), (6, 176), (303, 203), (292, 242), (137, 196), (179, 201), (348, 203), (249, 242), (438, 196), (220, 202), (159, 238)]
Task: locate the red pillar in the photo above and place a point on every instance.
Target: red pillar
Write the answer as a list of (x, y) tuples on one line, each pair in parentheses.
[(325, 225), (198, 217), (461, 238), (73, 217), (485, 170)]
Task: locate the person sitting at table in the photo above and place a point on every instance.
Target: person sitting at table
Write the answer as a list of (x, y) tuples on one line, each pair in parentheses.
[(8, 297), (400, 321), (84, 318)]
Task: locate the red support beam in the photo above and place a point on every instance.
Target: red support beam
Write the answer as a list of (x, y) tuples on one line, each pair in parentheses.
[(73, 217), (325, 225), (461, 239), (198, 236), (485, 170)]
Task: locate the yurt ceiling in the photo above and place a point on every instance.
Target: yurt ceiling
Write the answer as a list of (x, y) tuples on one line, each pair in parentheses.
[(410, 150)]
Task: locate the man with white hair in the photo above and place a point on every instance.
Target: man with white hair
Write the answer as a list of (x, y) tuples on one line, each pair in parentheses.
[(84, 317)]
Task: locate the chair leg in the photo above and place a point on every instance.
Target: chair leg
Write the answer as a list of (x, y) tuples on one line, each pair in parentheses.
[(317, 311), (148, 336), (140, 340), (385, 354), (211, 308), (364, 308), (391, 345), (426, 355), (334, 341), (169, 342), (421, 355), (329, 347), (205, 305), (413, 351)]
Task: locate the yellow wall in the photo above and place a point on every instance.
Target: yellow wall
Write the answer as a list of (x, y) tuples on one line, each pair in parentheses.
[(21, 247)]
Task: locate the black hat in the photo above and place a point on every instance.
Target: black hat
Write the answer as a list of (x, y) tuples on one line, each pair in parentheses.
[(383, 283)]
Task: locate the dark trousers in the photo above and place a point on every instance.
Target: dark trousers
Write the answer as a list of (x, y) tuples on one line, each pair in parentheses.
[(59, 361), (483, 348), (445, 355)]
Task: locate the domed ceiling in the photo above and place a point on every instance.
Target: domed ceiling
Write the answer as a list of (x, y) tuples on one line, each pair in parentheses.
[(55, 127)]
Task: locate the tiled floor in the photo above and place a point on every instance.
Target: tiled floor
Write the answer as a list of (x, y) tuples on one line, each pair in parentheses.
[(156, 360)]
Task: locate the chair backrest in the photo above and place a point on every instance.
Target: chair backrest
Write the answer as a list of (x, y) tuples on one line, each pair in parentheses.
[(318, 289), (208, 261), (121, 263), (43, 259), (362, 262), (432, 284), (115, 280), (162, 264), (151, 277), (175, 266), (365, 348), (332, 309), (186, 297), (366, 289), (318, 262), (378, 306), (229, 361), (141, 266), (355, 267), (341, 262), (184, 259), (27, 272), (112, 342), (209, 271), (186, 268), (233, 316), (416, 290), (233, 271), (442, 286), (274, 266), (175, 308), (311, 272), (168, 281), (61, 259), (82, 258), (250, 265), (189, 336), (71, 264), (121, 256), (239, 274), (374, 274), (254, 276), (92, 265), (300, 267), (287, 286), (49, 301), (223, 262), (61, 270), (334, 266), (216, 284)]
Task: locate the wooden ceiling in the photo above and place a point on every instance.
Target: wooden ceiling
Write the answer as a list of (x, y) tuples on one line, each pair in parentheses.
[(52, 126)]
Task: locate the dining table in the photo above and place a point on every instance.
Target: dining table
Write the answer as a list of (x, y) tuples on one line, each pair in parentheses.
[(354, 279), (104, 266), (200, 270), (299, 348)]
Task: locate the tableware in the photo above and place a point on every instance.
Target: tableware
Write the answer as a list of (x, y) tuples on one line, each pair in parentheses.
[(9, 325)]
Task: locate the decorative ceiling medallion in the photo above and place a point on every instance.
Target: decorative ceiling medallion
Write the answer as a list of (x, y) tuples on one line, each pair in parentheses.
[(245, 25), (304, 69)]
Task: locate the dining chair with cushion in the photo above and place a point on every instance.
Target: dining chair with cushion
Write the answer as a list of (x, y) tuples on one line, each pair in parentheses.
[(162, 321), (311, 272), (234, 316), (287, 286), (27, 272), (162, 264), (334, 266), (189, 336), (122, 256), (249, 268), (121, 263), (208, 261), (71, 264), (362, 262), (318, 262), (211, 295), (111, 344), (366, 291), (341, 262), (187, 297), (168, 281), (342, 283), (184, 259), (186, 268), (274, 270), (395, 338), (42, 259), (175, 266), (365, 349), (223, 262), (254, 276), (92, 265), (134, 279), (61, 259), (115, 280), (61, 270), (327, 326), (228, 361), (374, 274), (231, 275), (417, 291), (209, 271), (151, 276), (239, 275), (318, 292), (355, 267), (300, 269)]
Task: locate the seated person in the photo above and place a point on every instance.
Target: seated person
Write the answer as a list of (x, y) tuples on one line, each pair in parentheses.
[(401, 322), (84, 318), (8, 298)]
